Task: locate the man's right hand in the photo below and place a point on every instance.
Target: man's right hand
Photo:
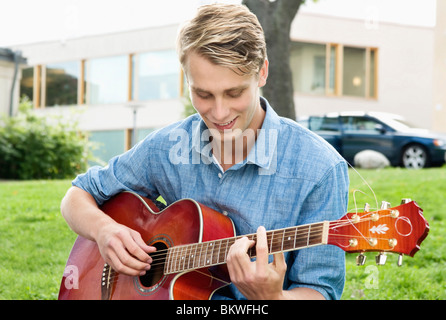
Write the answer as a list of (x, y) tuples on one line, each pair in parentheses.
[(121, 247), (124, 249)]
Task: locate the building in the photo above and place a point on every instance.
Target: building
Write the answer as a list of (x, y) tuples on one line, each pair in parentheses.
[(132, 79), (11, 63)]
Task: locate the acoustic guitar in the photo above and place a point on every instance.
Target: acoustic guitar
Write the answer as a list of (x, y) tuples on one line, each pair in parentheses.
[(193, 240)]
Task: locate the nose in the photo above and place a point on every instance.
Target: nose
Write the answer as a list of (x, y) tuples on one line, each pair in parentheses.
[(220, 112)]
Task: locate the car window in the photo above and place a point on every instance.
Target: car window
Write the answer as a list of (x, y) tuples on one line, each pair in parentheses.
[(324, 124), (362, 125)]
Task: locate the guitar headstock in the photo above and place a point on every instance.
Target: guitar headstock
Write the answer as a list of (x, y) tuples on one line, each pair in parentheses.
[(399, 229)]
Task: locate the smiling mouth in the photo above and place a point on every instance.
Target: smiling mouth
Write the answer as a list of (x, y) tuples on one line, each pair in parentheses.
[(226, 125)]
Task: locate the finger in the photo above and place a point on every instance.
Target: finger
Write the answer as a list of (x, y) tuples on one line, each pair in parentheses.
[(279, 261), (261, 249), (240, 248), (115, 262), (129, 260), (237, 258), (141, 243), (134, 244)]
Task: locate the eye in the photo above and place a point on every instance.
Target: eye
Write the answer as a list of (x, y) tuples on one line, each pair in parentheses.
[(203, 95), (235, 93)]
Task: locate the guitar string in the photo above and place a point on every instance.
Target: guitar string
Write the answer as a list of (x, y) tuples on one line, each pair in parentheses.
[(158, 266), (159, 257), (287, 233), (365, 182), (182, 251)]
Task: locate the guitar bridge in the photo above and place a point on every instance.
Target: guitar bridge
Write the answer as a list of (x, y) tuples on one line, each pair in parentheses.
[(107, 279)]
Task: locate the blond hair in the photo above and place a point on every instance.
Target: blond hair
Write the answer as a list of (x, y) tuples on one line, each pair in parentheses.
[(227, 35)]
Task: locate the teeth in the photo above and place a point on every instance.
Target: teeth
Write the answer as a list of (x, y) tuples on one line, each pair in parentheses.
[(225, 124)]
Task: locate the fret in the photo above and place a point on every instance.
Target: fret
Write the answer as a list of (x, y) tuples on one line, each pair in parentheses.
[(167, 265), (288, 239), (200, 258), (283, 239), (226, 250), (176, 259), (217, 261), (172, 260), (205, 258), (271, 242), (308, 236), (180, 259), (208, 255), (189, 256), (295, 237)]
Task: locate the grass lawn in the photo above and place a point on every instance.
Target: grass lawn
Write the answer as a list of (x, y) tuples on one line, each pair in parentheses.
[(35, 241)]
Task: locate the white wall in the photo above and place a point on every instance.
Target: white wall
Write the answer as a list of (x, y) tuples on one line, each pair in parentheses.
[(405, 66)]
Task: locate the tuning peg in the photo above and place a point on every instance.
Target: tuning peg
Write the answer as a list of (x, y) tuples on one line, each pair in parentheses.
[(360, 260), (381, 259), (385, 205), (400, 260), (366, 207), (405, 200)]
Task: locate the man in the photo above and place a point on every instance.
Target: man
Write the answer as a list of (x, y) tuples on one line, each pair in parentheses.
[(235, 156)]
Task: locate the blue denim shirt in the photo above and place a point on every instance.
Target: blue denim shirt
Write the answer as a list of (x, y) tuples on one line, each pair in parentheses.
[(290, 177)]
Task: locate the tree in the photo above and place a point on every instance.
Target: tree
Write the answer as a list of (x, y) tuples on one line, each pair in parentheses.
[(276, 18)]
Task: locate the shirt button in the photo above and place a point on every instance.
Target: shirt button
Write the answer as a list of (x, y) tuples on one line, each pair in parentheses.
[(225, 213), (220, 175)]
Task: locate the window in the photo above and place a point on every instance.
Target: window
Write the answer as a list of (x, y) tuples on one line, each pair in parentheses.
[(107, 80), (360, 125), (359, 72), (334, 69), (156, 75), (309, 60), (61, 83), (26, 83), (319, 124)]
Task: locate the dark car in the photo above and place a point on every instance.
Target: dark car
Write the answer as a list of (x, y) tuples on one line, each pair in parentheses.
[(402, 144)]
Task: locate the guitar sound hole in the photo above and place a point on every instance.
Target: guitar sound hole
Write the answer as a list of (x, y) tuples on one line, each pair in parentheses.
[(155, 273)]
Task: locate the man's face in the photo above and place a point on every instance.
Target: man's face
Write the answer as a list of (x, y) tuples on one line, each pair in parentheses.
[(225, 100)]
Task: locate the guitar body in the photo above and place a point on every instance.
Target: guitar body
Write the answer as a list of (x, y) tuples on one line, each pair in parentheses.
[(184, 222)]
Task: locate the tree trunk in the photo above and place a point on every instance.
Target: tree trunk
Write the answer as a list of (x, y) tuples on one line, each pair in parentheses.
[(276, 18)]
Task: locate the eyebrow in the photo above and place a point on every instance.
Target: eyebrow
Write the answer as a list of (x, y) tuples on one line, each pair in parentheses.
[(241, 88)]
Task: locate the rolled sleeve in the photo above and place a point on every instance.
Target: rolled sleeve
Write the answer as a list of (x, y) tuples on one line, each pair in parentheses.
[(127, 172)]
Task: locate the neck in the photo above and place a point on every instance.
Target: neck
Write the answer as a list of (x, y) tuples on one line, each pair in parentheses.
[(210, 253), (236, 148), (230, 152)]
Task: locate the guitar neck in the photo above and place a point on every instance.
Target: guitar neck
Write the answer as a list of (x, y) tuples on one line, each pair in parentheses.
[(211, 253)]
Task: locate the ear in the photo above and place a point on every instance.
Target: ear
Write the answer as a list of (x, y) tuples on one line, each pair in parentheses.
[(263, 74)]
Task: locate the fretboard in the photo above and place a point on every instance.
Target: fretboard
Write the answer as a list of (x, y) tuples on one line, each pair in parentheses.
[(211, 253)]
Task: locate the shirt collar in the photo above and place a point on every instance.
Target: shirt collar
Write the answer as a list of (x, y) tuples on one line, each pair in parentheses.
[(264, 152)]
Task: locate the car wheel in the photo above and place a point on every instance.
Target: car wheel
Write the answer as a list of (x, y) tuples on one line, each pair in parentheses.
[(414, 157)]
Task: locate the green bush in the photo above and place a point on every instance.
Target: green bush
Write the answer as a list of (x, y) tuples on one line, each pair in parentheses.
[(36, 147)]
